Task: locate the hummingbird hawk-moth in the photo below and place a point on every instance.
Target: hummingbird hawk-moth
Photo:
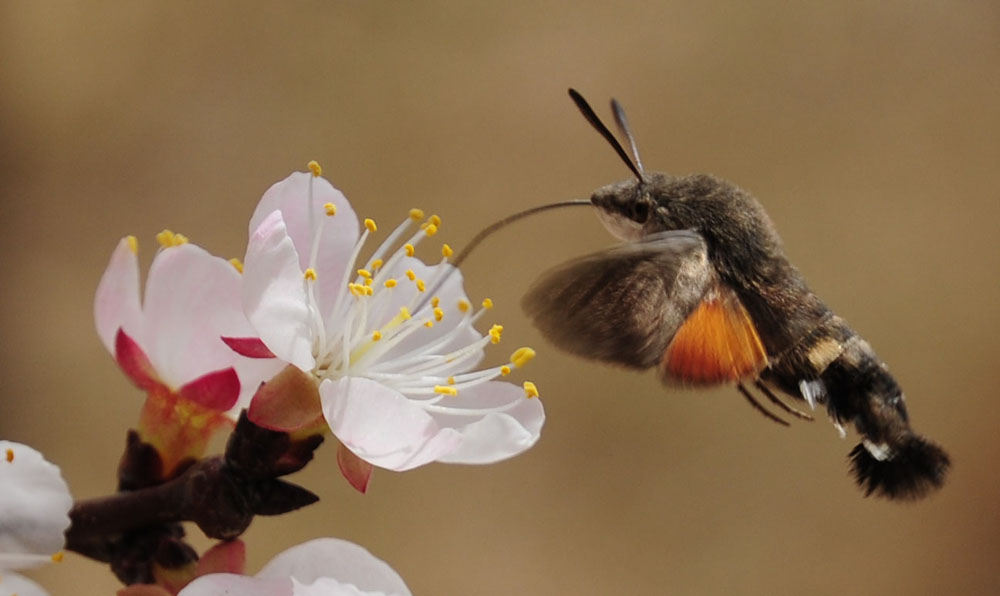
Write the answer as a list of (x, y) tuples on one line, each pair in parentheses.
[(701, 290)]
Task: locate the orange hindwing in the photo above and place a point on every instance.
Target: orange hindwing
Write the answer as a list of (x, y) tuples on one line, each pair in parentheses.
[(718, 343)]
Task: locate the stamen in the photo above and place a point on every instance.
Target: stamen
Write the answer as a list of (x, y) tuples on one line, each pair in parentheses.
[(133, 244), (376, 264), (435, 221), (365, 273), (435, 301), (330, 209), (530, 390), (237, 264), (444, 390), (495, 332), (463, 305), (404, 312), (411, 275), (446, 251), (431, 229), (409, 249), (451, 380), (487, 304), (58, 557), (315, 168), (438, 314), (416, 214), (370, 224), (429, 324), (10, 455), (505, 370), (377, 335), (522, 356), (390, 283), (309, 274), (421, 286)]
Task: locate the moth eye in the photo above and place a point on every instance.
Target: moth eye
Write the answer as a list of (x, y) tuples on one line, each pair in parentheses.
[(640, 211)]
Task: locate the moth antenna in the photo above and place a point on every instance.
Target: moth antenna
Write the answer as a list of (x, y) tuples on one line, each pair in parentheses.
[(623, 127), (497, 225), (591, 117)]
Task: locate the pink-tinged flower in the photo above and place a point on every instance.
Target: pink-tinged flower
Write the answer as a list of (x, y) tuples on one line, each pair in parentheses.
[(34, 514), (321, 567), (168, 342), (390, 341)]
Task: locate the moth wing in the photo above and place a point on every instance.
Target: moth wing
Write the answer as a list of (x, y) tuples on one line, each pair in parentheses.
[(717, 343), (623, 305)]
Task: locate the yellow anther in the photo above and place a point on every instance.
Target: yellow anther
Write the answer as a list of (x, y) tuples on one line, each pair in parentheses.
[(431, 229), (404, 312), (365, 273), (309, 274), (421, 286), (505, 370), (237, 264), (390, 283), (315, 168), (58, 557), (416, 214), (438, 314), (356, 289), (133, 244), (530, 390), (377, 335), (376, 264), (180, 239), (487, 304), (409, 249), (429, 324), (435, 221), (411, 275), (435, 302), (495, 332), (445, 390), (369, 281), (165, 238), (330, 209), (446, 251), (463, 305), (451, 380), (368, 290), (370, 224), (521, 356), (10, 455)]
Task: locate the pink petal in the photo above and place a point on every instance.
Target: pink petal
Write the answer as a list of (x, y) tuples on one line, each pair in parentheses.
[(338, 559), (274, 293), (217, 390), (192, 300), (229, 584), (340, 232), (14, 583), (34, 507), (116, 304), (251, 347), (496, 436), (134, 362), (357, 471), (383, 427), (225, 557)]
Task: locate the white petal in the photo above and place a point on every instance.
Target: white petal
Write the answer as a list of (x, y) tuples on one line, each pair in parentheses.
[(34, 507), (13, 583), (340, 232), (230, 584), (347, 563), (496, 436), (116, 304), (383, 427), (192, 300), (274, 293)]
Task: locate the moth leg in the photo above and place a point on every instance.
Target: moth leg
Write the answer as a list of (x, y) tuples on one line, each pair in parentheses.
[(774, 398), (757, 406)]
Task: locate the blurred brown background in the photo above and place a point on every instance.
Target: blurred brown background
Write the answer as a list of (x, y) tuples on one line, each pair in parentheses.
[(869, 132)]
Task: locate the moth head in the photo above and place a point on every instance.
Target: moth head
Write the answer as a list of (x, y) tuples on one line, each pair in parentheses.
[(625, 208)]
